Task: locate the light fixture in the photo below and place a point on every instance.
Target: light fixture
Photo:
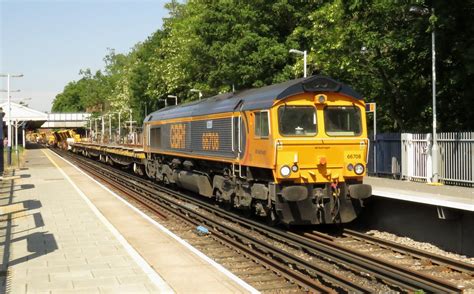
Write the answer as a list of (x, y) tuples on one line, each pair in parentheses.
[(285, 171), (359, 169)]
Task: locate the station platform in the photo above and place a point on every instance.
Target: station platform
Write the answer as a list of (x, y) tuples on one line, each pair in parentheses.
[(443, 196), (64, 232)]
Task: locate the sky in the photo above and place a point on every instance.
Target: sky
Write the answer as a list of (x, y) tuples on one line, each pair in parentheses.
[(49, 41)]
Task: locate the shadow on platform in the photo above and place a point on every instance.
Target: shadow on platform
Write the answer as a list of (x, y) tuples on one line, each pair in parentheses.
[(15, 188), (37, 243)]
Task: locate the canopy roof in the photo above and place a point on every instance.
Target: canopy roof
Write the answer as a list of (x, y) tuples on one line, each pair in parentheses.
[(33, 119), (253, 99)]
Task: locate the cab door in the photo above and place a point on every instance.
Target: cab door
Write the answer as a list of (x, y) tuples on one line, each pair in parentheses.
[(238, 132), (260, 151)]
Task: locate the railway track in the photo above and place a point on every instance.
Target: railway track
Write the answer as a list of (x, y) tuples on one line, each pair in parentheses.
[(401, 273), (265, 245)]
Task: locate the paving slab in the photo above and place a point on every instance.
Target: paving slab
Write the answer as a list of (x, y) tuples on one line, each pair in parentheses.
[(182, 269), (72, 234), (48, 223)]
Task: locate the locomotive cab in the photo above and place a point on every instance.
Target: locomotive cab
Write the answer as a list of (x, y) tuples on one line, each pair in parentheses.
[(320, 157)]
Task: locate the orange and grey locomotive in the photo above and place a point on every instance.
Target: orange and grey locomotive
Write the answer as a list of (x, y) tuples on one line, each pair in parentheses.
[(293, 152)]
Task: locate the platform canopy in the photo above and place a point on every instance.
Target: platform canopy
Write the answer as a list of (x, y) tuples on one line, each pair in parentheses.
[(31, 118)]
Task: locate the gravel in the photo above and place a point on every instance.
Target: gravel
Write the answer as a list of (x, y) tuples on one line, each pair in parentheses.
[(420, 245)]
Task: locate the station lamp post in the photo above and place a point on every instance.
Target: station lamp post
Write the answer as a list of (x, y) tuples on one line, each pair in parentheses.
[(304, 53), (196, 91), (119, 125), (90, 128), (9, 109), (96, 128), (424, 12), (103, 129), (130, 110), (172, 97), (110, 125)]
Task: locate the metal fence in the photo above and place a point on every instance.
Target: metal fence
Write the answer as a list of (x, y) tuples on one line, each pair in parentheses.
[(457, 158), (408, 156), (416, 156), (387, 150)]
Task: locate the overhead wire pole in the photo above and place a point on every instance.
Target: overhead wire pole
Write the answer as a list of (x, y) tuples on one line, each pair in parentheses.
[(9, 112)]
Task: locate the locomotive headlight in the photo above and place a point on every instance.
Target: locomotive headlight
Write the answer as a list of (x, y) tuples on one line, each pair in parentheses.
[(294, 168), (285, 171), (359, 169), (320, 98), (350, 167)]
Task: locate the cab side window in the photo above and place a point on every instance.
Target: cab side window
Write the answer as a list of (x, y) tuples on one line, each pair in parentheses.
[(262, 129)]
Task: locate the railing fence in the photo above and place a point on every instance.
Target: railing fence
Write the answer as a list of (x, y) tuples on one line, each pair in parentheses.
[(457, 158), (408, 156)]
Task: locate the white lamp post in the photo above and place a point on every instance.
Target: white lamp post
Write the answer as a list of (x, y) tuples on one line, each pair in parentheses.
[(172, 97), (9, 110), (90, 128), (304, 53), (96, 129), (119, 125), (103, 129), (423, 11), (197, 91), (110, 126), (130, 120)]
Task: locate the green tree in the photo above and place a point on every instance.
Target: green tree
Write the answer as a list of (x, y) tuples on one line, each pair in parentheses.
[(376, 46)]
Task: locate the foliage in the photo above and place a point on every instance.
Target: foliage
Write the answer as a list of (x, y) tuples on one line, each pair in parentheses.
[(376, 46)]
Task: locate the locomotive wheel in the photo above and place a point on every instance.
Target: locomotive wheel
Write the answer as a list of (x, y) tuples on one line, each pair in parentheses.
[(271, 219), (226, 205), (168, 184), (166, 181)]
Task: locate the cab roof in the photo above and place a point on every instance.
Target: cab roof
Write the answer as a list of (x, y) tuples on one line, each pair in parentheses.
[(254, 99)]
